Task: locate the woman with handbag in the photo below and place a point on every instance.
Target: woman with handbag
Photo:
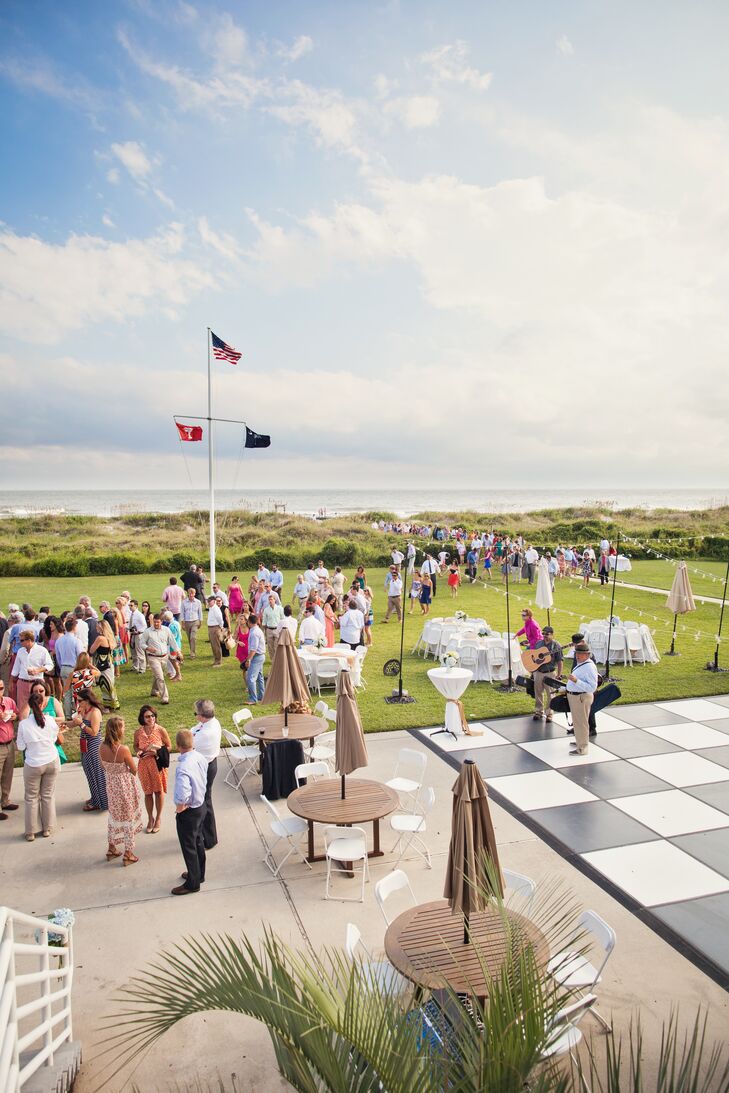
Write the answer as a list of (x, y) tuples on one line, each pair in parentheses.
[(125, 807), (89, 717), (152, 747), (102, 652)]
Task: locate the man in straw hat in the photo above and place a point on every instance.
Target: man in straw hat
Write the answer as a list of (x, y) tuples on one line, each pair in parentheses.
[(581, 686)]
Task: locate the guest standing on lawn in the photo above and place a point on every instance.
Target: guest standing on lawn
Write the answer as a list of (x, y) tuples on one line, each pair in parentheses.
[(206, 736), (215, 631), (235, 603), (454, 579), (191, 617), (37, 737), (89, 718), (148, 739), (8, 723), (426, 590), (256, 660), (157, 643), (330, 619), (31, 663), (530, 628), (102, 652), (125, 808)]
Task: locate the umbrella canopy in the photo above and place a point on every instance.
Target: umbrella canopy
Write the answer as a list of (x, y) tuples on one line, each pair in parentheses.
[(286, 680), (544, 597), (350, 747), (681, 598), (472, 838)]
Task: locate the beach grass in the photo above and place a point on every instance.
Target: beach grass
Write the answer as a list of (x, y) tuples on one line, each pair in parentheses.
[(676, 677)]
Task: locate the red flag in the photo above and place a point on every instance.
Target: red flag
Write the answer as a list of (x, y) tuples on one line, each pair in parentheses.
[(189, 432)]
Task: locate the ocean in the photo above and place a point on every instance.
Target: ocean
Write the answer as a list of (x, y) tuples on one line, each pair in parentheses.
[(322, 501)]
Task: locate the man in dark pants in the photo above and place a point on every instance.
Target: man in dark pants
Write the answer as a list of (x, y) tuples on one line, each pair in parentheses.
[(189, 796), (206, 736)]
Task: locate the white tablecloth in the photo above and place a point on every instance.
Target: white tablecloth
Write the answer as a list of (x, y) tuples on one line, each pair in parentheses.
[(498, 669), (451, 683), (596, 638), (624, 565), (310, 660)]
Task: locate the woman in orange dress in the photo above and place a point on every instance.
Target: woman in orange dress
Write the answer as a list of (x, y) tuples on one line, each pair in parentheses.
[(148, 739), (330, 619)]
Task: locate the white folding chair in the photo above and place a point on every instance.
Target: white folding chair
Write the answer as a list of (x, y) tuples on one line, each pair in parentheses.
[(521, 887), (446, 633), (619, 647), (322, 749), (346, 845), (327, 670), (380, 973), (242, 759), (496, 661), (305, 771), (635, 643), (239, 719), (290, 828), (342, 647), (408, 775), (410, 828), (469, 656), (573, 969), (397, 881), (433, 644), (321, 708), (422, 642), (563, 1035)]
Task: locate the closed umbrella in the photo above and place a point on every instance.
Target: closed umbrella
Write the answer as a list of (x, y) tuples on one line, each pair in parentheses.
[(680, 601), (544, 597), (286, 680), (350, 750), (472, 840)]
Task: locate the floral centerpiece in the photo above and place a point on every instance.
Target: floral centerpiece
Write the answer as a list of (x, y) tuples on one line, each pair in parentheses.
[(451, 659), (460, 616), (320, 643), (482, 632), (62, 916)]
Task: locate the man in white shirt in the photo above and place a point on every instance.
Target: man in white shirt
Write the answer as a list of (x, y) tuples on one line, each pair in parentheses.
[(338, 586), (219, 594), (351, 626), (137, 626), (321, 571), (605, 546), (581, 687), (411, 558), (310, 629), (191, 618), (191, 771), (531, 557), (288, 622), (66, 653), (430, 566), (157, 643), (206, 740), (397, 557), (85, 602), (272, 615), (215, 631), (357, 598), (394, 595), (82, 627), (32, 661), (310, 576)]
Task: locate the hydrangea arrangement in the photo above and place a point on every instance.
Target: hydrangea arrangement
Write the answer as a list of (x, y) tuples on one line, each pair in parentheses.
[(451, 659), (320, 643), (62, 916), (460, 616), (482, 632)]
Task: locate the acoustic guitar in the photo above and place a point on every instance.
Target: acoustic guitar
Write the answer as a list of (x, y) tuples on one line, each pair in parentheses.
[(534, 659)]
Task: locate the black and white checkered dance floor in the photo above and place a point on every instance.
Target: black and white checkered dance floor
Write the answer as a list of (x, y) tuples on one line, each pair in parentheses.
[(645, 813)]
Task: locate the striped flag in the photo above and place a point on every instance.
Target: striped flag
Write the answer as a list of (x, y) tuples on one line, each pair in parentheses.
[(224, 352)]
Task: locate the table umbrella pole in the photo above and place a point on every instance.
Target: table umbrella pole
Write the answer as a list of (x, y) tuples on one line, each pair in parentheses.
[(344, 787), (672, 651), (714, 666), (466, 930)]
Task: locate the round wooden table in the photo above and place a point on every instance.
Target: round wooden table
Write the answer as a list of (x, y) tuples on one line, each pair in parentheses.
[(425, 944), (321, 803), (302, 726)]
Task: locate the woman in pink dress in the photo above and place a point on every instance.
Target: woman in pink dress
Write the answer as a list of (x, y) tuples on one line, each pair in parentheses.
[(235, 603), (330, 619), (122, 787), (241, 641)]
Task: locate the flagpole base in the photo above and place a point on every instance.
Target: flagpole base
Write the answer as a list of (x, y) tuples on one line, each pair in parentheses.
[(711, 667), (397, 699), (675, 653)]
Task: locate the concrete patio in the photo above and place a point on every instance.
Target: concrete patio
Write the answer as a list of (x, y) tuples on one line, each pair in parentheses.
[(126, 917)]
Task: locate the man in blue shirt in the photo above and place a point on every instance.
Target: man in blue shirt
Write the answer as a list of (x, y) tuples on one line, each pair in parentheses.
[(276, 579), (581, 687), (471, 563), (191, 775)]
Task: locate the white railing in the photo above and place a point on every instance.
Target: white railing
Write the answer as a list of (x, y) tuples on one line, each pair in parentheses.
[(35, 996)]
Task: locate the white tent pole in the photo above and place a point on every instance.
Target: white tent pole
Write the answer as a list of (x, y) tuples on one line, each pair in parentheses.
[(211, 484)]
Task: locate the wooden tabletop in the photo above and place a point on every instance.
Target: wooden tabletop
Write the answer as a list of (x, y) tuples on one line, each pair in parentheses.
[(322, 801), (425, 943), (302, 726)]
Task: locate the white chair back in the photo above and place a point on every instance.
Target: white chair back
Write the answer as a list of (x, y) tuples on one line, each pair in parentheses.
[(321, 709), (232, 740), (311, 770), (397, 881)]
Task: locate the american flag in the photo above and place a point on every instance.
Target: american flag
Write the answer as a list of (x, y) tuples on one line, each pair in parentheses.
[(224, 352)]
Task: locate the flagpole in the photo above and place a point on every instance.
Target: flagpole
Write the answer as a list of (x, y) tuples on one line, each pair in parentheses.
[(211, 484)]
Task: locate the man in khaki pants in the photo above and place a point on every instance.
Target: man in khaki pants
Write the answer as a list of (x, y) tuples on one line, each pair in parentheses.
[(581, 686), (216, 627), (191, 617), (158, 642)]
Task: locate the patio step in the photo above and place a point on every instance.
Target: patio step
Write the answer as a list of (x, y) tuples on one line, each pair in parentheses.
[(58, 1078)]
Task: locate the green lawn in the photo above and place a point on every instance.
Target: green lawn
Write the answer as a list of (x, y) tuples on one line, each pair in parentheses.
[(660, 574), (673, 678)]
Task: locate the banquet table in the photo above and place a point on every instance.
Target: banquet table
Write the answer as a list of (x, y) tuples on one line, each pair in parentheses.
[(310, 657), (596, 635), (486, 671), (451, 683), (623, 563), (365, 802), (425, 944)]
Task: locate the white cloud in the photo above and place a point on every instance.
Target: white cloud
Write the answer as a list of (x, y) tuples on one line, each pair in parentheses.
[(299, 48), (113, 175), (107, 221), (326, 113), (415, 111), (384, 86), (449, 64), (229, 43), (564, 45), (48, 290), (221, 242), (42, 77), (133, 157)]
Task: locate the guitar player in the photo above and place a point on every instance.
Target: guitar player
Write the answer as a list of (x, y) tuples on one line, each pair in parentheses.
[(552, 667)]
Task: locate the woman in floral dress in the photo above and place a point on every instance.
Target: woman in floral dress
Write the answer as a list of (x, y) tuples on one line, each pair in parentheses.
[(148, 739), (125, 807)]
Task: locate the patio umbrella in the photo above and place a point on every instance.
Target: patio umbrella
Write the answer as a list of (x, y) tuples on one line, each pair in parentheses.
[(286, 680), (680, 601), (472, 840), (544, 597), (350, 750)]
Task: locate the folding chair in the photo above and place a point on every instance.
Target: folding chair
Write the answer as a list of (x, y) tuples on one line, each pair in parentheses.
[(411, 828), (239, 755), (574, 970), (381, 973), (290, 828), (345, 845), (523, 888), (408, 776), (397, 881), (304, 771)]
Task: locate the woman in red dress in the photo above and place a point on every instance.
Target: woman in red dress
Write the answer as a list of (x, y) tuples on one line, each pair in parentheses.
[(148, 739)]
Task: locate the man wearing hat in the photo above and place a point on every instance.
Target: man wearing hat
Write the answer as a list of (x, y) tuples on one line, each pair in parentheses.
[(551, 667), (581, 686)]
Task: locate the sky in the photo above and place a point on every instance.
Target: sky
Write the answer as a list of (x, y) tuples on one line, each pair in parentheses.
[(478, 244)]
